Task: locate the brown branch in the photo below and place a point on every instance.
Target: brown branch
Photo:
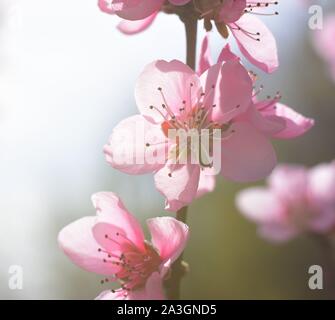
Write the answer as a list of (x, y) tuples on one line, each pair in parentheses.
[(179, 267)]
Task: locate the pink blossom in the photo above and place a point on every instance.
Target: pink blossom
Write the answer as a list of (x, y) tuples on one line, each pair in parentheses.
[(170, 95), (220, 11), (324, 43), (254, 39), (137, 14), (296, 200), (269, 116), (112, 244)]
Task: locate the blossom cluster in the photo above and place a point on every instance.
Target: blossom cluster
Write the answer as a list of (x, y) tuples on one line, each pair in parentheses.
[(297, 200), (192, 126)]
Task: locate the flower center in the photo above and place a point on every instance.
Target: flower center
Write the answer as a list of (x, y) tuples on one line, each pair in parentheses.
[(192, 131), (135, 265)]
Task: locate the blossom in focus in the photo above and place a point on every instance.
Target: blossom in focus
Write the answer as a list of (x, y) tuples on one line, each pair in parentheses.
[(169, 96), (112, 244), (324, 43), (269, 116), (296, 200)]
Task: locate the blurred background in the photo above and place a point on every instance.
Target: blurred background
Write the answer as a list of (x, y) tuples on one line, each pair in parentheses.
[(66, 79)]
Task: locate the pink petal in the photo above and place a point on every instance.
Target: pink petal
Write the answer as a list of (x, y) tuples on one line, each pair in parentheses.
[(324, 39), (324, 221), (296, 124), (277, 233), (112, 6), (153, 290), (111, 210), (205, 60), (168, 236), (113, 295), (144, 9), (179, 2), (235, 90), (175, 80), (289, 182), (226, 54), (260, 205), (233, 93), (270, 125), (78, 243), (262, 53), (130, 27), (207, 182), (232, 10), (321, 185), (136, 146), (247, 155), (178, 183), (210, 80), (112, 238)]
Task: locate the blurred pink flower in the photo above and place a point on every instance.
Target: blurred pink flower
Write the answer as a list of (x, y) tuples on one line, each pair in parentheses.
[(137, 14), (112, 244), (297, 200), (170, 95), (325, 44), (269, 116)]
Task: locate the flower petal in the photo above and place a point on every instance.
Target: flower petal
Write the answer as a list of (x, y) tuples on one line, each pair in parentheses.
[(166, 85), (136, 146), (112, 6), (111, 210), (263, 52), (207, 182), (270, 125), (321, 185), (78, 243), (178, 183), (289, 182), (260, 205), (153, 290), (232, 10), (142, 10), (226, 54), (277, 233), (205, 60), (131, 27), (168, 236), (295, 123), (247, 155), (111, 238), (233, 90), (112, 295), (179, 2)]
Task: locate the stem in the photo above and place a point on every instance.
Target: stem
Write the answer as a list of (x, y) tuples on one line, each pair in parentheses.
[(191, 26), (178, 269)]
